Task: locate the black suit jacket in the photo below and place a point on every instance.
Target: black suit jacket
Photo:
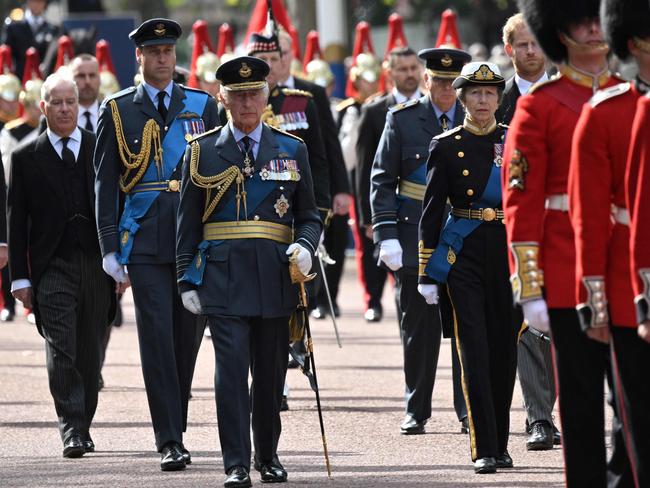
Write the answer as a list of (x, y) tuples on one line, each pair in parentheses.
[(19, 36), (507, 108), (36, 204)]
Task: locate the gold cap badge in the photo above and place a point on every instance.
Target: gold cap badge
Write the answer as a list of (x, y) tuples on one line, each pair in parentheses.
[(446, 61), (245, 71), (160, 30), (484, 73)]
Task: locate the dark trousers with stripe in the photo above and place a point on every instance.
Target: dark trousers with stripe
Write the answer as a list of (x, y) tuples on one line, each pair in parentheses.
[(535, 366), (581, 366), (631, 361), (73, 298), (260, 345), (166, 334), (485, 326), (336, 240)]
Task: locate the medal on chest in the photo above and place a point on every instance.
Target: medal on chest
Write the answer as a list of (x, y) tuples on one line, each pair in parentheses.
[(498, 155)]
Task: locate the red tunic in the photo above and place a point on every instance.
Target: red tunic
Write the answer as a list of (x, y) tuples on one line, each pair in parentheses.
[(536, 166), (638, 193), (596, 182)]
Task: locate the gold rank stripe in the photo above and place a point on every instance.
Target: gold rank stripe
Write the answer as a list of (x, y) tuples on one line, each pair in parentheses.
[(412, 190), (255, 229)]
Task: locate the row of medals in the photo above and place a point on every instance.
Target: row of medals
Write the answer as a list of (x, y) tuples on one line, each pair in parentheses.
[(281, 204)]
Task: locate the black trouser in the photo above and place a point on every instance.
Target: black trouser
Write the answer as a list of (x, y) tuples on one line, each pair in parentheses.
[(372, 277), (9, 300), (166, 333), (261, 345), (73, 300), (631, 356), (485, 326), (336, 240), (581, 365)]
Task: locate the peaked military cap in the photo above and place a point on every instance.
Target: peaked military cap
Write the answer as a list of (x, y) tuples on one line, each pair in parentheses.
[(443, 62), (156, 31), (480, 73), (263, 43), (243, 73)]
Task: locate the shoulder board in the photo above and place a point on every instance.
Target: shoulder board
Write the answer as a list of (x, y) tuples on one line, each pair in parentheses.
[(206, 133), (402, 106), (279, 131), (14, 123), (550, 81), (345, 104), (449, 132), (120, 93), (295, 92), (374, 96), (198, 90), (611, 92)]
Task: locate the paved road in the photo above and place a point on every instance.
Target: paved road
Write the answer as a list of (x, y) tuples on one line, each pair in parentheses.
[(361, 390)]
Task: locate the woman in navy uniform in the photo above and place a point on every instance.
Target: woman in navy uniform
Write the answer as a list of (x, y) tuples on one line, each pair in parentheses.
[(470, 256)]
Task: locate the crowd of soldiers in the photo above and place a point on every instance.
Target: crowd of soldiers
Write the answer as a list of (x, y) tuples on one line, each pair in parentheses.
[(509, 213)]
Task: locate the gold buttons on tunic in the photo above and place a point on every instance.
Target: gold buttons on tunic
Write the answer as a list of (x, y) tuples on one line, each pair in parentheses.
[(465, 172), (461, 154), (470, 192)]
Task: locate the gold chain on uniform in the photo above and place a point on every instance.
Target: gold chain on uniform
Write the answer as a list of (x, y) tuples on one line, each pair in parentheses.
[(221, 181), (140, 161)]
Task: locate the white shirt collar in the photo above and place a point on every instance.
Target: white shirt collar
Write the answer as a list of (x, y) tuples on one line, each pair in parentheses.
[(255, 135), (74, 144), (401, 98), (94, 114), (524, 85), (34, 21), (289, 82), (153, 92)]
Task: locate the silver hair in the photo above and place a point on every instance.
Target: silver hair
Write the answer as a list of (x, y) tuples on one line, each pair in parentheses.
[(54, 80)]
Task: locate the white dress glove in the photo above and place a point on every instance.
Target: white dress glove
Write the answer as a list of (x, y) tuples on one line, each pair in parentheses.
[(191, 301), (113, 268), (303, 258), (430, 293), (536, 315), (390, 252)]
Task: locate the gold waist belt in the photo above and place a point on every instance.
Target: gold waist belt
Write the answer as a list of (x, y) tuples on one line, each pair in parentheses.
[(411, 190), (247, 229), (486, 214)]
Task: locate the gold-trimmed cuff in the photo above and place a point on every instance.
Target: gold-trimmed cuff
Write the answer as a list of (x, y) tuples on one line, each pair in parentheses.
[(527, 280), (424, 254), (593, 313)]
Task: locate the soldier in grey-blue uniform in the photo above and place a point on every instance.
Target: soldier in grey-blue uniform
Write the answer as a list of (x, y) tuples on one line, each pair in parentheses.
[(141, 137), (247, 203), (397, 188)]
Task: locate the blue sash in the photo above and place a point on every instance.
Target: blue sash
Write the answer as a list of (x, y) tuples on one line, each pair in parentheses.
[(256, 192), (456, 229), (137, 204)]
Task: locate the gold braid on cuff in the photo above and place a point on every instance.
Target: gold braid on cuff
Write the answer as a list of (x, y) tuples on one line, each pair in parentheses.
[(527, 280)]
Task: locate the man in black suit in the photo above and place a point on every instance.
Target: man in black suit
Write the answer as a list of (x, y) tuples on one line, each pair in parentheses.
[(406, 72), (31, 31), (139, 158), (55, 261)]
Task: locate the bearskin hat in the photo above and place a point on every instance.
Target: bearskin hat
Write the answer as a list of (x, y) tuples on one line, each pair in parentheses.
[(622, 20)]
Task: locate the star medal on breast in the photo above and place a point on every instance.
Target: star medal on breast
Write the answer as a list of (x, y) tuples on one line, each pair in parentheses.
[(281, 206)]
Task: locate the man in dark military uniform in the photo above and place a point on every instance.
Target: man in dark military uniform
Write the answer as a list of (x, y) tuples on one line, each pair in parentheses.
[(396, 191), (142, 133), (247, 203)]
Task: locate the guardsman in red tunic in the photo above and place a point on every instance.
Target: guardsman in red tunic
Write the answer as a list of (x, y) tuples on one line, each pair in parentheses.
[(540, 236)]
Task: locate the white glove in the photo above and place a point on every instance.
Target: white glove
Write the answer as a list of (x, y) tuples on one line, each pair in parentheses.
[(191, 301), (113, 268), (390, 252), (430, 293), (303, 259), (536, 315)]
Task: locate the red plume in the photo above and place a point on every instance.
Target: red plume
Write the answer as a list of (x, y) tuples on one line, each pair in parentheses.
[(257, 23), (65, 53), (312, 49), (396, 38), (32, 62), (295, 43), (6, 63), (448, 33), (103, 54), (362, 44), (201, 45), (226, 40)]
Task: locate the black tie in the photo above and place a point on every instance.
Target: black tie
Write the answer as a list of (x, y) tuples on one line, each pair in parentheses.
[(89, 125), (66, 153), (247, 147), (162, 110), (444, 122)]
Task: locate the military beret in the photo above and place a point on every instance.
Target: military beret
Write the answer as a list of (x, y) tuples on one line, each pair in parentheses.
[(243, 73), (480, 73), (156, 31), (443, 62)]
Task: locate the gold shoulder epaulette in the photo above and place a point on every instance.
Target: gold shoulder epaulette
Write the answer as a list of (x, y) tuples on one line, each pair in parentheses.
[(611, 92), (206, 133), (402, 106), (280, 131), (551, 80), (374, 96), (345, 104), (14, 123), (448, 132), (294, 91)]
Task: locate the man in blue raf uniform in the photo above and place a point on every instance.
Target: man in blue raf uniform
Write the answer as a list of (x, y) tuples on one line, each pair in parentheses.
[(247, 203), (397, 189), (141, 136)]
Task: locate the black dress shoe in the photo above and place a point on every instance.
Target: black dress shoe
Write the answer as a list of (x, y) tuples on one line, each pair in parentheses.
[(172, 457), (73, 447), (272, 472), (541, 436), (464, 426), (89, 445), (411, 426), (557, 437), (238, 477), (372, 315), (337, 311), (284, 405), (187, 457), (485, 465), (504, 461)]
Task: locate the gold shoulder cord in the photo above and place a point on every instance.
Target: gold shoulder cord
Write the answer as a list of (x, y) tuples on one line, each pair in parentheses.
[(221, 181), (140, 161)]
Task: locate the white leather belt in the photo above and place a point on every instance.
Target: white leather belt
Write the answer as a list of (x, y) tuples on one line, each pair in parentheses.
[(621, 215), (558, 202)]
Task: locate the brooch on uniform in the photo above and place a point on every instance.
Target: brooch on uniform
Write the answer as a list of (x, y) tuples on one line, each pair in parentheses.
[(192, 127), (498, 155), (281, 205), (280, 170)]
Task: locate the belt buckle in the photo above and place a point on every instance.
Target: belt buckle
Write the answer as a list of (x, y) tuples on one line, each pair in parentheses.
[(488, 214), (173, 185)]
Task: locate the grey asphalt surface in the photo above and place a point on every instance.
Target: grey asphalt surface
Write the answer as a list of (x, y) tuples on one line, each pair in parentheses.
[(362, 396)]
